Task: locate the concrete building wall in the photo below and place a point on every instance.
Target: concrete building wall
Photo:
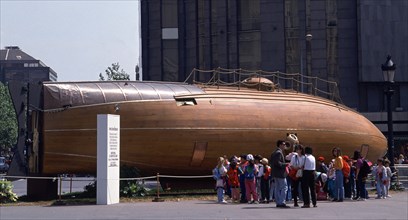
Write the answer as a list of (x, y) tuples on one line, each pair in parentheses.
[(351, 40), (383, 30)]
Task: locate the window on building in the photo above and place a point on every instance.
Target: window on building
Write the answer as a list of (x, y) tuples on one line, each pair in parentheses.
[(373, 98), (170, 60), (169, 14), (249, 34), (249, 13), (250, 50)]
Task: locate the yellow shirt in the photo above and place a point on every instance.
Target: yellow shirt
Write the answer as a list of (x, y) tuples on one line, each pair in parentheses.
[(338, 163)]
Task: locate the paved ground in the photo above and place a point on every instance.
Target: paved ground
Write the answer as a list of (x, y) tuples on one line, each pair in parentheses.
[(393, 208)]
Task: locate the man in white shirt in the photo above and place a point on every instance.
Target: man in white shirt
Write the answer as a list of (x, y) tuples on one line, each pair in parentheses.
[(308, 179)]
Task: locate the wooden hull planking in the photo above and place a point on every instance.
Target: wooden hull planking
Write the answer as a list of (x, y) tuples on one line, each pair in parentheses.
[(162, 137)]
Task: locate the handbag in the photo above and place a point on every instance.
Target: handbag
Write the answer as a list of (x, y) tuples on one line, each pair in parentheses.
[(287, 171), (292, 173), (299, 172)]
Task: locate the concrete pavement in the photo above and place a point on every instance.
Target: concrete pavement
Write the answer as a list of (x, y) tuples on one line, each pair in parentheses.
[(392, 208)]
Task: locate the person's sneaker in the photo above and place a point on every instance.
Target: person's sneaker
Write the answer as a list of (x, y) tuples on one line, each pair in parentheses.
[(305, 206), (256, 202), (282, 206), (361, 199), (378, 197), (389, 196)]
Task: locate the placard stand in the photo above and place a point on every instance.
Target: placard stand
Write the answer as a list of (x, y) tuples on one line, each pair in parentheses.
[(108, 159)]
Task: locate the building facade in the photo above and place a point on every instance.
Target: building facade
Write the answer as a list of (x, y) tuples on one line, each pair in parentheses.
[(349, 42), (17, 65)]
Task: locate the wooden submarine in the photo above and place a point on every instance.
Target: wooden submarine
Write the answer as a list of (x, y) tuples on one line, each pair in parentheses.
[(176, 128), (181, 129)]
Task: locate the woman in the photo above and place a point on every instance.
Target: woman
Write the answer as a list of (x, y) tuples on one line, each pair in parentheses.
[(297, 161), (338, 184)]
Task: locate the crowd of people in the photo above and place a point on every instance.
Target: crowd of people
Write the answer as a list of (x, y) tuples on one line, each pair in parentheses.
[(298, 176)]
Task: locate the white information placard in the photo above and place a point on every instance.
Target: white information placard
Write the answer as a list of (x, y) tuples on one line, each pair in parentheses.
[(108, 159)]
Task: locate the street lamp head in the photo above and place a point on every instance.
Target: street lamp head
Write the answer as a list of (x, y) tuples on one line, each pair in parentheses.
[(309, 37), (388, 69)]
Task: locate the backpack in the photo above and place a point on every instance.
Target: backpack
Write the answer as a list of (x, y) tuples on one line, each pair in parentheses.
[(346, 169), (267, 172), (249, 172), (216, 174), (365, 169)]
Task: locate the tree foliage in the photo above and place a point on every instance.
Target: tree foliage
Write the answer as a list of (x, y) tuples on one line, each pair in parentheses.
[(113, 73), (8, 122), (6, 192)]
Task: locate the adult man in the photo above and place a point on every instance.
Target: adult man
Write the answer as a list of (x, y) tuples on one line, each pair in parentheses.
[(308, 179), (279, 174)]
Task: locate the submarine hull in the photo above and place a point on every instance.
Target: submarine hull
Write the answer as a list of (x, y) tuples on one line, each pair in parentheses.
[(185, 135)]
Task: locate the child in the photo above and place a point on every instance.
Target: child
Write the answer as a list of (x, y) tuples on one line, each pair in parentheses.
[(218, 174), (250, 173), (233, 180), (330, 180), (389, 176), (380, 178), (265, 180)]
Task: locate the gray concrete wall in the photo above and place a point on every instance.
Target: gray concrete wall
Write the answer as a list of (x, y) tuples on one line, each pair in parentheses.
[(383, 30)]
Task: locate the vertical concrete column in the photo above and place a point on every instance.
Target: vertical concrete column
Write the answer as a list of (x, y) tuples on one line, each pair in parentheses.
[(108, 159)]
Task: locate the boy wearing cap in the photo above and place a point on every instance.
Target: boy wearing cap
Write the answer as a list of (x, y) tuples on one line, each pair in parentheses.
[(251, 170), (321, 166)]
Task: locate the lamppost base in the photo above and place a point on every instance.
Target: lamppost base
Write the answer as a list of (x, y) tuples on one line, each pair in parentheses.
[(158, 199), (59, 203)]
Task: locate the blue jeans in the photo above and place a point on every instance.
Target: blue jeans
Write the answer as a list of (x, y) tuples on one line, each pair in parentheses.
[(289, 193), (242, 186), (281, 189), (272, 190), (220, 194), (361, 187), (338, 186), (380, 189)]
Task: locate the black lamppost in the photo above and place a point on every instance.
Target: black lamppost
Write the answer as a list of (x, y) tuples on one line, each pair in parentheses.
[(309, 38), (388, 69)]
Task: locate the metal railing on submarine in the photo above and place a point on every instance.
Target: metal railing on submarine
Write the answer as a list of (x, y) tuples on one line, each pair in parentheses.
[(275, 81)]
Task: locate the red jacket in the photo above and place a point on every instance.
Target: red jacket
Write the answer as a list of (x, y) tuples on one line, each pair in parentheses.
[(233, 180)]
